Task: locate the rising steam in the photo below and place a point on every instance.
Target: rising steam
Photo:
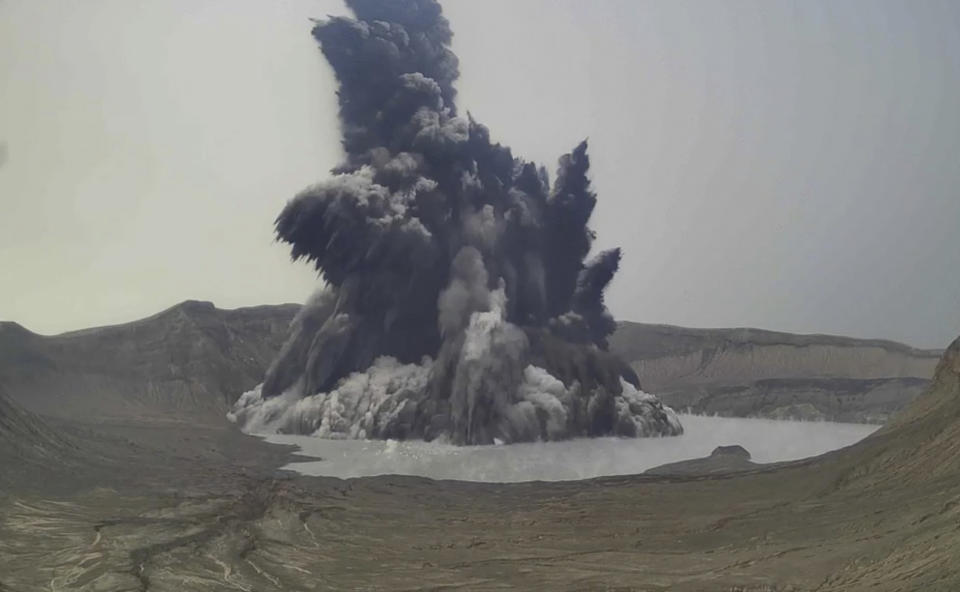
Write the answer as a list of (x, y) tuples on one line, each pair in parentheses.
[(457, 302)]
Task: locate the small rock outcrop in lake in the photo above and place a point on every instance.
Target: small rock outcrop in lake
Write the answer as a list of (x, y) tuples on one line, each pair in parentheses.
[(724, 459), (732, 450)]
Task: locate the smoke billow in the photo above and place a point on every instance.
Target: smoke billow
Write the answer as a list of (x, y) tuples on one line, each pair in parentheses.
[(457, 302)]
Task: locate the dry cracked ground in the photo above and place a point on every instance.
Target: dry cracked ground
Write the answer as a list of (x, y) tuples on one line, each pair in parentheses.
[(169, 506)]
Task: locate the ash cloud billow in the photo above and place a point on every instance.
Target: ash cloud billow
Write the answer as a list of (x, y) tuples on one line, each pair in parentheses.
[(458, 303)]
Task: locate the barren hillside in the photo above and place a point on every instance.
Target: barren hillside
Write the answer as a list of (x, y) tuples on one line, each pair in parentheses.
[(880, 516), (752, 372), (187, 363)]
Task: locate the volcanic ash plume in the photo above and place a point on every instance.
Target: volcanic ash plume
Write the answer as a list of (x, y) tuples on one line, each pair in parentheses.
[(457, 302)]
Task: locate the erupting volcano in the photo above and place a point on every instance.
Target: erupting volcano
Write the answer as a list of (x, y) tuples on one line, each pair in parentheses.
[(457, 303)]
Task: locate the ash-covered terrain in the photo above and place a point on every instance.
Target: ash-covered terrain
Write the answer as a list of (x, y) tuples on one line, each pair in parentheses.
[(173, 506)]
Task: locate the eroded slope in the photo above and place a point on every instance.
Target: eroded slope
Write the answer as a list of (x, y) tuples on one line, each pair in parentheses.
[(187, 363), (757, 373)]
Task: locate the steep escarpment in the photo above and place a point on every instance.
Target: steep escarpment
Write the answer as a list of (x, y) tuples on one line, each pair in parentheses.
[(28, 443), (856, 400), (186, 363), (24, 434), (669, 355), (921, 444), (752, 372)]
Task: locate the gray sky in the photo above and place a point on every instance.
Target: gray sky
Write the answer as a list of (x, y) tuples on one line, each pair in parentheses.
[(791, 166)]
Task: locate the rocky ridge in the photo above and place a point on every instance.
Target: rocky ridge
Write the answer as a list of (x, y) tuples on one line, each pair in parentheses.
[(758, 373), (193, 360), (187, 363)]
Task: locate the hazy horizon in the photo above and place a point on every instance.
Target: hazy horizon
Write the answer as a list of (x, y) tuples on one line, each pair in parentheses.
[(787, 166)]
